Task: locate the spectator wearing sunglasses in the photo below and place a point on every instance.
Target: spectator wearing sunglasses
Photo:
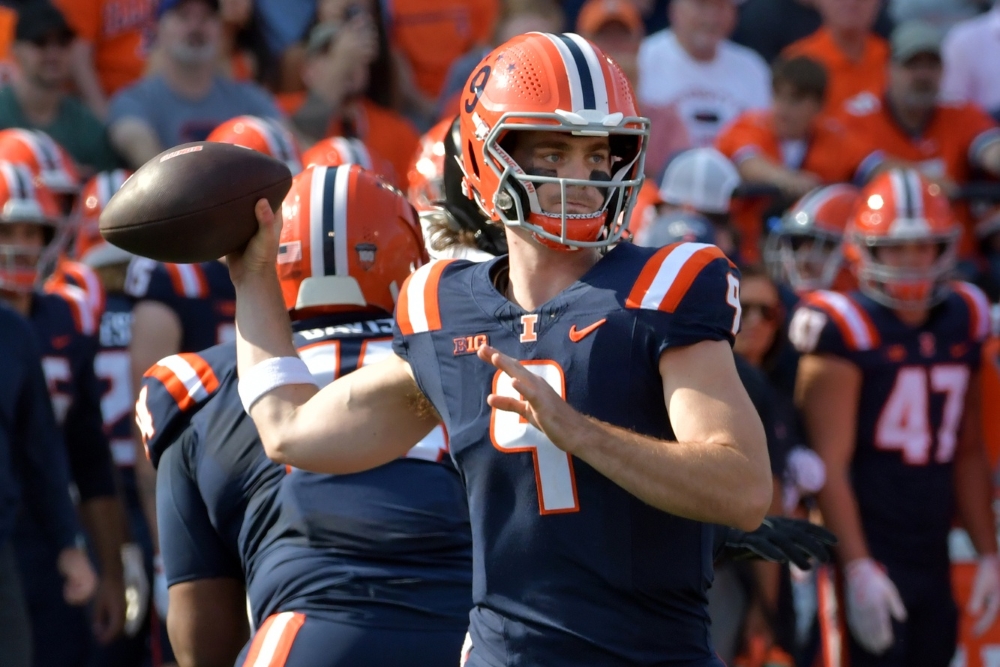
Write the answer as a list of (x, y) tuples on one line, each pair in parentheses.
[(37, 98)]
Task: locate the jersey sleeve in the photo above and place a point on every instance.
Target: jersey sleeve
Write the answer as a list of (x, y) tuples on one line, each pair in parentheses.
[(173, 389), (189, 545), (156, 281), (40, 454), (685, 294), (831, 323), (86, 441)]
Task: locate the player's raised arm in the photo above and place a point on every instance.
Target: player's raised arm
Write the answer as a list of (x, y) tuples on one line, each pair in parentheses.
[(367, 418)]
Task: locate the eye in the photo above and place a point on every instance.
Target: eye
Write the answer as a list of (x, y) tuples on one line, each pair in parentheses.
[(551, 158)]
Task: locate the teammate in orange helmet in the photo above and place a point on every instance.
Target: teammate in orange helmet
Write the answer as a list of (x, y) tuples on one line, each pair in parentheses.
[(888, 386), (45, 159), (426, 175), (593, 433), (335, 151), (264, 135), (804, 250)]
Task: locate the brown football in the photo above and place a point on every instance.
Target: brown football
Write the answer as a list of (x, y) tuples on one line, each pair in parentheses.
[(194, 202)]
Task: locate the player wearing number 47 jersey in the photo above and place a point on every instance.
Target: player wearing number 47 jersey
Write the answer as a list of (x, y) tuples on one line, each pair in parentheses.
[(371, 569), (889, 390), (594, 467)]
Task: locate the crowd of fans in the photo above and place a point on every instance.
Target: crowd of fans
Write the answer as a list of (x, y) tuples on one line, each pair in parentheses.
[(754, 105)]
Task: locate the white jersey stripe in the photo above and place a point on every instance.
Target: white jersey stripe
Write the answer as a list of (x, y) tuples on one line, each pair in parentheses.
[(189, 280), (188, 376), (415, 299), (667, 273), (271, 639)]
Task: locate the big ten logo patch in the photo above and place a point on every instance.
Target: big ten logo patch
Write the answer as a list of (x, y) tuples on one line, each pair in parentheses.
[(470, 344)]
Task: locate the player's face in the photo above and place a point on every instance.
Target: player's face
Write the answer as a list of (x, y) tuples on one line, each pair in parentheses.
[(190, 33), (794, 113), (849, 14), (46, 60), (21, 244), (917, 82), (702, 24), (916, 256), (760, 320), (565, 156)]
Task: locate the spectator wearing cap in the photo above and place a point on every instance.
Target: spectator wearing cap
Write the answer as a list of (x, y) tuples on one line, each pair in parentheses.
[(185, 98), (37, 97), (790, 146), (615, 26), (702, 181), (971, 54), (109, 52), (695, 69), (347, 64), (947, 142), (854, 56)]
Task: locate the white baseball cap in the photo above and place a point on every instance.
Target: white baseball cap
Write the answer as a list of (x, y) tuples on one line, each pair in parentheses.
[(701, 179)]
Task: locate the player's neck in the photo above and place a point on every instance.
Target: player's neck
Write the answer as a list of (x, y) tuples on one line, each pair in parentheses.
[(19, 301), (39, 105), (912, 317), (537, 274), (850, 42)]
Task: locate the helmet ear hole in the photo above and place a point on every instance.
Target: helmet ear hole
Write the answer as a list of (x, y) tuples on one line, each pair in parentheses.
[(472, 158)]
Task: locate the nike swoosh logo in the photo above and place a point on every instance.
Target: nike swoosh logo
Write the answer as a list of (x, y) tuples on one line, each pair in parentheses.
[(577, 335)]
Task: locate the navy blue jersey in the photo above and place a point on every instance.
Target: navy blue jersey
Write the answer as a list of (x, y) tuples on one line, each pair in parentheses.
[(112, 366), (68, 360), (202, 296), (569, 568), (389, 547), (909, 411), (34, 471)]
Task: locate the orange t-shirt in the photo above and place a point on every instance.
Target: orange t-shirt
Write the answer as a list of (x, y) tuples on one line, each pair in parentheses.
[(383, 131), (943, 149), (117, 30), (432, 34), (831, 153), (846, 79)]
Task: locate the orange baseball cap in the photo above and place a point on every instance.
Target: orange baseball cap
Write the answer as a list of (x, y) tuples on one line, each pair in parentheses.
[(595, 14)]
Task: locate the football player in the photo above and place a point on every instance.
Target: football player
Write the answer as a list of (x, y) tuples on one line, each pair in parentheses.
[(264, 135), (62, 633), (594, 467), (371, 569), (889, 392)]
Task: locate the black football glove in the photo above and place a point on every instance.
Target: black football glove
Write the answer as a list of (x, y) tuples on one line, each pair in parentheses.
[(780, 540)]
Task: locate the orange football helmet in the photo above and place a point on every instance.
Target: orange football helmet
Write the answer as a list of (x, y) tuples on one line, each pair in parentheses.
[(562, 83), (89, 247), (426, 174), (335, 151), (47, 160), (23, 200), (264, 135), (901, 208), (348, 242), (804, 249)]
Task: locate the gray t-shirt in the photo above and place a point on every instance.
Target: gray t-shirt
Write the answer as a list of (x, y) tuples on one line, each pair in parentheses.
[(178, 120)]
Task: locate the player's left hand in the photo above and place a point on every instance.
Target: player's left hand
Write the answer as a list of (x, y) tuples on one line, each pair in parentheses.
[(984, 603), (108, 610), (539, 404), (780, 540)]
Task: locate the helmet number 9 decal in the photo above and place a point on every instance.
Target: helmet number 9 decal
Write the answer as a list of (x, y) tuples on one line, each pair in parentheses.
[(512, 434), (476, 86)]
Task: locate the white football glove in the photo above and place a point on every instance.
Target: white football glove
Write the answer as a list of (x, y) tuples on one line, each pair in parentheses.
[(872, 603), (136, 588), (161, 598), (984, 603)]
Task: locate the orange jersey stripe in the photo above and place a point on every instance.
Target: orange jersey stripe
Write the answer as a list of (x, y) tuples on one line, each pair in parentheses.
[(685, 277), (431, 305), (647, 275), (403, 308)]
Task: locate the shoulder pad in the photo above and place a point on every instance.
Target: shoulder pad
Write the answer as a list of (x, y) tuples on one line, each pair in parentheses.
[(854, 325), (669, 273), (172, 390), (188, 280), (82, 276), (418, 310), (85, 319), (979, 309)]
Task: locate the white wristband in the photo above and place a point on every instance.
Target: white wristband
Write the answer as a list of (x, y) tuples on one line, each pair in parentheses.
[(270, 374)]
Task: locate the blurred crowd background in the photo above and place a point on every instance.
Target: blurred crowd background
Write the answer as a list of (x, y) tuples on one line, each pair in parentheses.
[(754, 105)]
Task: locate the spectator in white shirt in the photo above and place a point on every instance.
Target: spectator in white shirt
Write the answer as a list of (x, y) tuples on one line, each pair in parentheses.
[(693, 67), (971, 54)]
